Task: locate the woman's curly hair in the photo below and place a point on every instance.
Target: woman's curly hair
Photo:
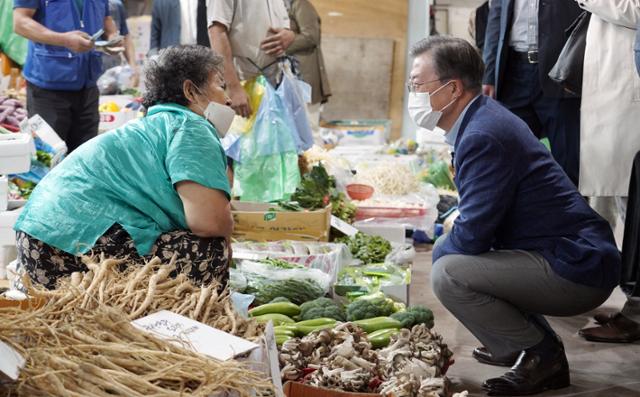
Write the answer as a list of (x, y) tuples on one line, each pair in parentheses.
[(165, 75)]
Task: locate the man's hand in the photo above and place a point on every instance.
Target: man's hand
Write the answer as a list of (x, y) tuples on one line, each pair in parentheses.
[(489, 90), (240, 101), (277, 41), (77, 41)]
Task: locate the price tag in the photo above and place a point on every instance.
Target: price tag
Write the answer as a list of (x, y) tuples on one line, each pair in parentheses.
[(343, 226)]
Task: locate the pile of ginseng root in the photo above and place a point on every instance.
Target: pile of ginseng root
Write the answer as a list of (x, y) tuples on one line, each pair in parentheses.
[(81, 341)]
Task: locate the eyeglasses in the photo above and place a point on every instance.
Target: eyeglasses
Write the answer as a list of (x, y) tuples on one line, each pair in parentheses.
[(412, 86)]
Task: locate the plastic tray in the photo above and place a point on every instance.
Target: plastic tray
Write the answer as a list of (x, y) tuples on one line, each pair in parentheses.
[(389, 212)]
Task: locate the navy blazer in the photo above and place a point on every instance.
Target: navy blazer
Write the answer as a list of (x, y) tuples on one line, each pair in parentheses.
[(514, 196), (165, 24), (554, 17)]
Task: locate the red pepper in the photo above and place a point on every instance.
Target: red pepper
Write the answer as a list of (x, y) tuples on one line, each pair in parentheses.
[(446, 367), (10, 127)]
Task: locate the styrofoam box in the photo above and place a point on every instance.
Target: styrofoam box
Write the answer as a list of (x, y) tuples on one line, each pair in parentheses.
[(7, 220), (113, 120), (15, 153)]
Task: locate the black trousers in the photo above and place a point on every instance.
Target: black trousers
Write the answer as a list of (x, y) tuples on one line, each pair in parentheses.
[(555, 118), (73, 115)]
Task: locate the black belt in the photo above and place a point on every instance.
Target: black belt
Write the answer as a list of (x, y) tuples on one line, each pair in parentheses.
[(528, 57)]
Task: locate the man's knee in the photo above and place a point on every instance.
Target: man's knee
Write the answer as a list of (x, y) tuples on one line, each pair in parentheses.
[(442, 283)]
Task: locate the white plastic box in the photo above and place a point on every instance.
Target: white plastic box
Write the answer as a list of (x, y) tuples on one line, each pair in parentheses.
[(16, 151)]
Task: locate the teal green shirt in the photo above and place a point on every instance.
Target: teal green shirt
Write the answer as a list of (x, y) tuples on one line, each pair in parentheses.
[(127, 176)]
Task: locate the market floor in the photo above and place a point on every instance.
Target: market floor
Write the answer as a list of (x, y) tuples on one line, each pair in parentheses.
[(597, 369)]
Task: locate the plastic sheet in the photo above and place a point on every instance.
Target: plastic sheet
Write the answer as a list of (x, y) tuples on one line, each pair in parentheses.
[(327, 257)]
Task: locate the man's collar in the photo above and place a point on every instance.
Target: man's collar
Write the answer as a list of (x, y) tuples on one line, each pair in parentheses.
[(450, 137)]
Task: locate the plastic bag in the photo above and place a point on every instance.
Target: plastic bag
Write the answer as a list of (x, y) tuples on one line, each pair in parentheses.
[(439, 175), (115, 80), (267, 156), (266, 282), (292, 95)]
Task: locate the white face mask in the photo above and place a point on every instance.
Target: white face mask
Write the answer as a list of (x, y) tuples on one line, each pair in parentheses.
[(421, 110), (221, 116)]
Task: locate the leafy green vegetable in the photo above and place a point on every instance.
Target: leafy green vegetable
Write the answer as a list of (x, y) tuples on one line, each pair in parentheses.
[(322, 307), (369, 249), (296, 291), (364, 308), (280, 264), (44, 157), (317, 190)]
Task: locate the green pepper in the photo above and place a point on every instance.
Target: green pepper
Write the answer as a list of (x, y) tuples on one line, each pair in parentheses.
[(286, 308), (382, 338), (277, 318)]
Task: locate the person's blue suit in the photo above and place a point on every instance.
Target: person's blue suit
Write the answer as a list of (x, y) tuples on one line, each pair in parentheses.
[(554, 17), (525, 88)]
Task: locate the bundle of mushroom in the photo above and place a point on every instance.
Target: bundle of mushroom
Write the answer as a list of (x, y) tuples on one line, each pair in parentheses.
[(412, 366)]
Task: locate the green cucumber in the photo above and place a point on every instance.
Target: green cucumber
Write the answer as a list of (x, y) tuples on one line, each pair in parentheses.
[(277, 318), (286, 327), (373, 324), (281, 332), (280, 339), (316, 321), (382, 338), (306, 330), (286, 308)]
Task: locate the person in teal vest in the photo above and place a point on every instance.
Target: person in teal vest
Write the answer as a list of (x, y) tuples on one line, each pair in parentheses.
[(155, 187)]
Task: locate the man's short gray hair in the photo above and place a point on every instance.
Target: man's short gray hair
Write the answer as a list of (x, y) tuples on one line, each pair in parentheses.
[(453, 58)]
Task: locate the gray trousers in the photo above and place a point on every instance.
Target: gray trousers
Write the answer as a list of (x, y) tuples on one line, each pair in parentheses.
[(501, 297)]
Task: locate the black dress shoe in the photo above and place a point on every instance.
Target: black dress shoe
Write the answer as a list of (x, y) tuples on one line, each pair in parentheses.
[(484, 356), (531, 374)]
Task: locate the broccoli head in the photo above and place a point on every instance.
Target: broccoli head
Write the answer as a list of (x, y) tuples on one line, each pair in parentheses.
[(321, 307), (423, 315), (364, 308), (407, 319)]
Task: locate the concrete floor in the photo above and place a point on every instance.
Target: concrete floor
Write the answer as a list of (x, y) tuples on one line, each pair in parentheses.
[(597, 369)]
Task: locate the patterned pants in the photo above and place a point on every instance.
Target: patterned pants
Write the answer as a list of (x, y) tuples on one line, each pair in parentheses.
[(203, 260)]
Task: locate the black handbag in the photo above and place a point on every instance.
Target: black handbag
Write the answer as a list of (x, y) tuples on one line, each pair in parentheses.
[(567, 71)]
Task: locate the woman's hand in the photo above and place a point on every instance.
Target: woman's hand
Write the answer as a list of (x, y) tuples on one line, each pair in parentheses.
[(207, 211)]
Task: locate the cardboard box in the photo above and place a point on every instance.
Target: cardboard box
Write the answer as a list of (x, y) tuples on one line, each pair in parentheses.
[(113, 120), (296, 389), (255, 221), (359, 132), (27, 304)]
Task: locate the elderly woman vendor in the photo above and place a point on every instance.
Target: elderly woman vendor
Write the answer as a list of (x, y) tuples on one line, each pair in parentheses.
[(154, 187)]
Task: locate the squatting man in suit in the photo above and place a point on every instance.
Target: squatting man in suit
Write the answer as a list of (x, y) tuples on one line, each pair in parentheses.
[(526, 243)]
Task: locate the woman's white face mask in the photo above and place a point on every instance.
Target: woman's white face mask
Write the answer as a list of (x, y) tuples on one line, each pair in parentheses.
[(421, 110), (221, 116)]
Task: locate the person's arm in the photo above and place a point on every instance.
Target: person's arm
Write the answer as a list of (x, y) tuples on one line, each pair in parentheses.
[(207, 211), (490, 53), (130, 56), (309, 23), (624, 13), (487, 187), (219, 38), (26, 26)]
